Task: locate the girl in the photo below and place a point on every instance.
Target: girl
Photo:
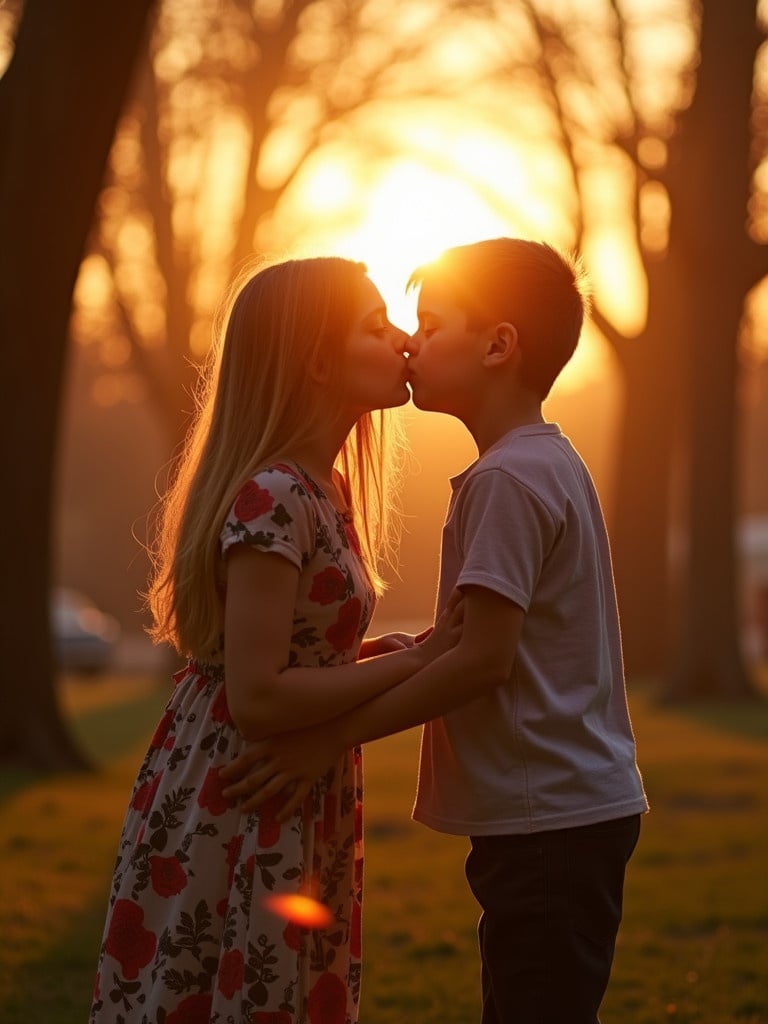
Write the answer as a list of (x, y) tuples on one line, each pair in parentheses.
[(265, 577)]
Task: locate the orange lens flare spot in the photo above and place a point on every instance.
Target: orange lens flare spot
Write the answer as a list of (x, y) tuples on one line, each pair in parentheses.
[(301, 910)]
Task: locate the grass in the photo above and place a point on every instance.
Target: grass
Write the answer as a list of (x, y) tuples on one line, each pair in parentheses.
[(693, 944)]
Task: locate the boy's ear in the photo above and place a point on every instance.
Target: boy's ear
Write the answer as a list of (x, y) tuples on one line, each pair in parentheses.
[(501, 345)]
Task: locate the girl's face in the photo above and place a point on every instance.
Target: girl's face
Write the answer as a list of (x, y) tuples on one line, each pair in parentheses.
[(374, 368)]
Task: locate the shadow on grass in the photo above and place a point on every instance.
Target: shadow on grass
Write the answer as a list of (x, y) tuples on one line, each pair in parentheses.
[(744, 718), (103, 733), (56, 986), (747, 718), (108, 732)]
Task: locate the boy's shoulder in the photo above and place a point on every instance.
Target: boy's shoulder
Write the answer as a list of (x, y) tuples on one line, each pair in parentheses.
[(539, 462), (535, 449)]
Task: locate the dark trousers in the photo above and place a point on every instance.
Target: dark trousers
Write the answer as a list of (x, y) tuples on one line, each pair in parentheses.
[(551, 905)]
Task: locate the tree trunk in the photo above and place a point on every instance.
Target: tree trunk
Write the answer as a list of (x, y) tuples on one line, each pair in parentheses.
[(59, 103), (640, 526), (710, 205)]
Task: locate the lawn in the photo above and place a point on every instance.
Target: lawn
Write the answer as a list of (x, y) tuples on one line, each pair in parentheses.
[(693, 947)]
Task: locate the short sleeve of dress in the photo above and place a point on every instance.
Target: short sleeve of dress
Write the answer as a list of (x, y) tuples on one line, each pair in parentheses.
[(506, 533), (274, 512)]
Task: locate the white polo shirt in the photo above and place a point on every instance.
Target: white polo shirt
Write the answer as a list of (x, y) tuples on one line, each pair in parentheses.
[(553, 746)]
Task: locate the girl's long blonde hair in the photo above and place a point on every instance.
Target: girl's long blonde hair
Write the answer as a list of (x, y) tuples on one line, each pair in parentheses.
[(256, 402)]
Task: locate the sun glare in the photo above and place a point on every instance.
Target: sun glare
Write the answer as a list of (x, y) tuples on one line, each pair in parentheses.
[(457, 186), (412, 214), (301, 910)]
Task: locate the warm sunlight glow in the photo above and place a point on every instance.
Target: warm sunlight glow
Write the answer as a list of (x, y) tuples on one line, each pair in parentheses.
[(94, 284), (413, 209), (329, 187), (617, 280), (412, 215), (300, 910), (755, 327)]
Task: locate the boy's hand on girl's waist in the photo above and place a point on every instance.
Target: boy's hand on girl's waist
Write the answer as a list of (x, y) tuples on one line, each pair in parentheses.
[(286, 766)]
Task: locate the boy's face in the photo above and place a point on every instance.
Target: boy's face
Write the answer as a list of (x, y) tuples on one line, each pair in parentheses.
[(444, 355)]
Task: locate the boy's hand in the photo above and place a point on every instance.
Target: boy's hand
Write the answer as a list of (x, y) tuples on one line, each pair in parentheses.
[(289, 763)]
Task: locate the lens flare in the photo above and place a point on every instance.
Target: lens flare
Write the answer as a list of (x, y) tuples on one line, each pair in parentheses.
[(301, 910)]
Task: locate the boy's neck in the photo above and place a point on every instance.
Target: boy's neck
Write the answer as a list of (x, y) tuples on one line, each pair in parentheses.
[(491, 424)]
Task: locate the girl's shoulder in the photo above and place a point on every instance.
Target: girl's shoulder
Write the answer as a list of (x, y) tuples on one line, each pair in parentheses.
[(276, 484), (273, 509)]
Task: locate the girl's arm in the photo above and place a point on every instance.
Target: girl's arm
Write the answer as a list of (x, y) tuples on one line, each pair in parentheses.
[(481, 660), (263, 694), (373, 646), (387, 642)]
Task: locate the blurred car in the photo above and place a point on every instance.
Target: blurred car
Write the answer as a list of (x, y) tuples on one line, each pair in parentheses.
[(84, 637)]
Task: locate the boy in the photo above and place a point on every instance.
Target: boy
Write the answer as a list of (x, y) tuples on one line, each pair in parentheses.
[(527, 747)]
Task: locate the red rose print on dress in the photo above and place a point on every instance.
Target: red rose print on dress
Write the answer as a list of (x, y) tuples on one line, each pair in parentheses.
[(192, 1010), (211, 795), (220, 708), (145, 794), (168, 876), (352, 537), (231, 972), (253, 501), (234, 846), (181, 674), (327, 1003), (269, 829), (292, 936), (162, 730), (344, 630), (128, 941), (328, 586)]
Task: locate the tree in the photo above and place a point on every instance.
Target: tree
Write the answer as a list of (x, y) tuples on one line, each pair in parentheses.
[(56, 129), (710, 181)]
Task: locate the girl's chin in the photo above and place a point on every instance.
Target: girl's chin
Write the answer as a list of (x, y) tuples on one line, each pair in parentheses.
[(401, 397)]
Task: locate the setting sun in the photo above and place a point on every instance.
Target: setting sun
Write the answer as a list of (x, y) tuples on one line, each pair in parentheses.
[(460, 186), (412, 215)]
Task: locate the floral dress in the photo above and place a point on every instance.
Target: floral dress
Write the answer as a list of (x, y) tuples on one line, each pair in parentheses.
[(188, 939)]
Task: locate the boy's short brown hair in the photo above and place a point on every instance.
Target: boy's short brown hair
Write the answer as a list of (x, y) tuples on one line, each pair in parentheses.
[(528, 284)]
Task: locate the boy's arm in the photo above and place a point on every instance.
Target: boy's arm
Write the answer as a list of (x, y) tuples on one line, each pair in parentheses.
[(481, 660)]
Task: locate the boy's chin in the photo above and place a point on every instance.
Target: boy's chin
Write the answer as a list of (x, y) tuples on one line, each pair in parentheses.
[(422, 402)]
